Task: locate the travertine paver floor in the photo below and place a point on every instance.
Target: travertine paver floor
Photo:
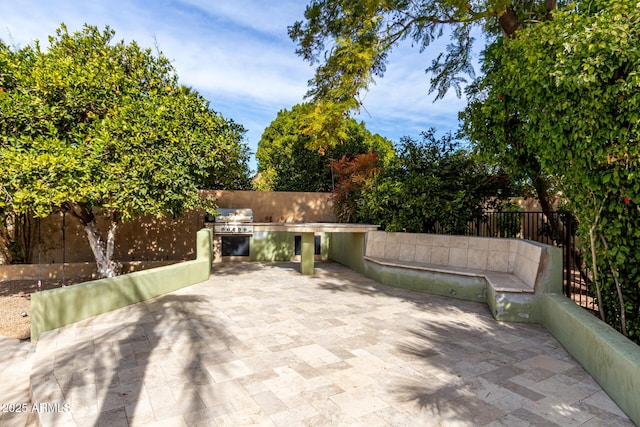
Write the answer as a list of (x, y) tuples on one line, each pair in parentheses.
[(16, 358), (261, 344)]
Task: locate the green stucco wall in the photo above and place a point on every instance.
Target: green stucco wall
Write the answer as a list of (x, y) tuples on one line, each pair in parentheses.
[(550, 282), (611, 359), (272, 246), (269, 246), (348, 249), (468, 288), (58, 307), (514, 307)]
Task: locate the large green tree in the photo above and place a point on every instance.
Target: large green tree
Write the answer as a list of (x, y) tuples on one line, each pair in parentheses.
[(102, 128), (288, 159), (566, 92)]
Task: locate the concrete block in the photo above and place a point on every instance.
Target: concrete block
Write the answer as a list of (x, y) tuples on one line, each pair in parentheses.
[(498, 261), (407, 252), (458, 257), (440, 255), (477, 258), (423, 254)]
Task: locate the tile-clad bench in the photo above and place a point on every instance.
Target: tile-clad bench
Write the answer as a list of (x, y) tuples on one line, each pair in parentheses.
[(508, 274)]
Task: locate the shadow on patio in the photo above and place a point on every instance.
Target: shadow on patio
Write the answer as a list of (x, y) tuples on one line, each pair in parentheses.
[(139, 363), (260, 343)]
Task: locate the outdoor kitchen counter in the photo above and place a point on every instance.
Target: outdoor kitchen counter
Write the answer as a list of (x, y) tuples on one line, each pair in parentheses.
[(313, 227), (307, 230)]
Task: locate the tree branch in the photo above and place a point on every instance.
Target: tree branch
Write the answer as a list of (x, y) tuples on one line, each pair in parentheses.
[(623, 320), (509, 22)]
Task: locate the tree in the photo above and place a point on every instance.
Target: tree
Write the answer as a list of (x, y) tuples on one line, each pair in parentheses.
[(434, 186), (97, 128), (354, 177), (286, 161), (569, 88), (351, 41)]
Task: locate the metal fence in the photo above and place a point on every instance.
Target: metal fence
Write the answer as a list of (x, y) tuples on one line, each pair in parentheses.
[(556, 228)]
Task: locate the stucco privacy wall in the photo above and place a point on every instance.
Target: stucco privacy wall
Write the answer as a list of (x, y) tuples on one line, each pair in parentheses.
[(57, 307), (84, 270), (165, 239), (279, 206), (611, 359), (144, 239)]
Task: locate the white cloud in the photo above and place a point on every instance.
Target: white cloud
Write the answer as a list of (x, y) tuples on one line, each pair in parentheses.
[(269, 18)]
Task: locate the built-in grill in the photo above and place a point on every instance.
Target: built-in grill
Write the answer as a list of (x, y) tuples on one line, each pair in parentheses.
[(232, 222)]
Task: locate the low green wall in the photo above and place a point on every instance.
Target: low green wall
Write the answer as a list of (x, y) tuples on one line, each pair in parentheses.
[(348, 249), (611, 359), (62, 306), (271, 246), (267, 246), (470, 288)]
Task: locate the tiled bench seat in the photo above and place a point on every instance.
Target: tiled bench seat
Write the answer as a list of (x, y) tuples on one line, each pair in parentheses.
[(499, 281), (507, 274)]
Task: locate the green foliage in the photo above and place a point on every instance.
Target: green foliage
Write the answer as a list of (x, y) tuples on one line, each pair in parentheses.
[(92, 125), (289, 161), (352, 40), (509, 221), (433, 186), (565, 93), (106, 125)]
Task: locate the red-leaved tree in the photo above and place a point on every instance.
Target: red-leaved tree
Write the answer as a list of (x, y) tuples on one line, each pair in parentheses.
[(353, 177)]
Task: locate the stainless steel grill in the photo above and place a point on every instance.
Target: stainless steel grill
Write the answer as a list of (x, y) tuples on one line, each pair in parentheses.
[(233, 222)]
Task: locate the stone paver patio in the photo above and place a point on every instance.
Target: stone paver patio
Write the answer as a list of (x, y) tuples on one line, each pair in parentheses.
[(261, 344)]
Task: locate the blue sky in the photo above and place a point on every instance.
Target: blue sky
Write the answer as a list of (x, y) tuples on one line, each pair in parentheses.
[(238, 55)]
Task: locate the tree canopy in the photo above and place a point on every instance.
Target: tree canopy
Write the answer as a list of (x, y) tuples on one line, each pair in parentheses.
[(351, 42), (566, 92), (287, 161), (96, 126)]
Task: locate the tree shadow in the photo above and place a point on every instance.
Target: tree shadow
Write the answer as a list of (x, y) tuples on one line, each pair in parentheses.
[(337, 278), (239, 268), (458, 358), (143, 362), (468, 363)]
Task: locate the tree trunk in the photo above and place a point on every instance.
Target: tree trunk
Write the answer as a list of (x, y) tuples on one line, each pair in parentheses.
[(102, 250), (621, 304), (559, 230), (541, 185), (509, 22), (5, 243)]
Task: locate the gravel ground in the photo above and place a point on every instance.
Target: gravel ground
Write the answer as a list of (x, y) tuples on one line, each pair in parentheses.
[(15, 299)]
